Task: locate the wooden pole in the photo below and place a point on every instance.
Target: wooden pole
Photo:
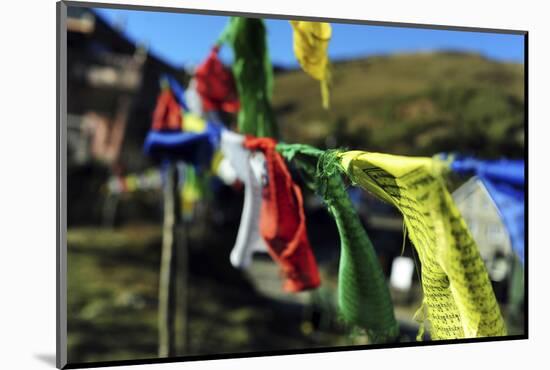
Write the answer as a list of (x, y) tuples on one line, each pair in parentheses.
[(173, 273), (167, 267), (181, 328), (109, 210)]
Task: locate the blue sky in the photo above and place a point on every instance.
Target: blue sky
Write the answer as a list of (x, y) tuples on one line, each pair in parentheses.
[(185, 39)]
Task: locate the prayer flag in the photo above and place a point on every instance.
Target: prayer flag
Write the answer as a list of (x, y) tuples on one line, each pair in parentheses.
[(458, 295)]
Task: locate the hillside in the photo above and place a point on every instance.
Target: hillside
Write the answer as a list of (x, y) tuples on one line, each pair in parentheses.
[(412, 104)]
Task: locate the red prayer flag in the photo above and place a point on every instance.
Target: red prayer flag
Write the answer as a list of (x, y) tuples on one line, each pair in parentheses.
[(167, 114), (283, 222), (216, 86)]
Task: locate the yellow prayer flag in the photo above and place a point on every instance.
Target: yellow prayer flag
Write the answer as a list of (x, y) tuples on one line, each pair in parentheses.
[(458, 295), (310, 47), (193, 123)]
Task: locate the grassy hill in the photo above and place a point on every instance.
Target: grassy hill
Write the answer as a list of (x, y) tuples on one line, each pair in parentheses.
[(411, 104)]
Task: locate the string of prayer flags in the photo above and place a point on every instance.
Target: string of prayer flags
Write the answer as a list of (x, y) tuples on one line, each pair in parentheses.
[(311, 41), (148, 180), (458, 295), (363, 295), (505, 182), (190, 147), (166, 140), (253, 75), (249, 239), (167, 115), (215, 85), (282, 220)]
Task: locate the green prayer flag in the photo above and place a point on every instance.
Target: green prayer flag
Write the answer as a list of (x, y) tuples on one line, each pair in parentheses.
[(363, 295), (253, 75)]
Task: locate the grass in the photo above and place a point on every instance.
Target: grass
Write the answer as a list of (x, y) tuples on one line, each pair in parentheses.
[(112, 300)]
